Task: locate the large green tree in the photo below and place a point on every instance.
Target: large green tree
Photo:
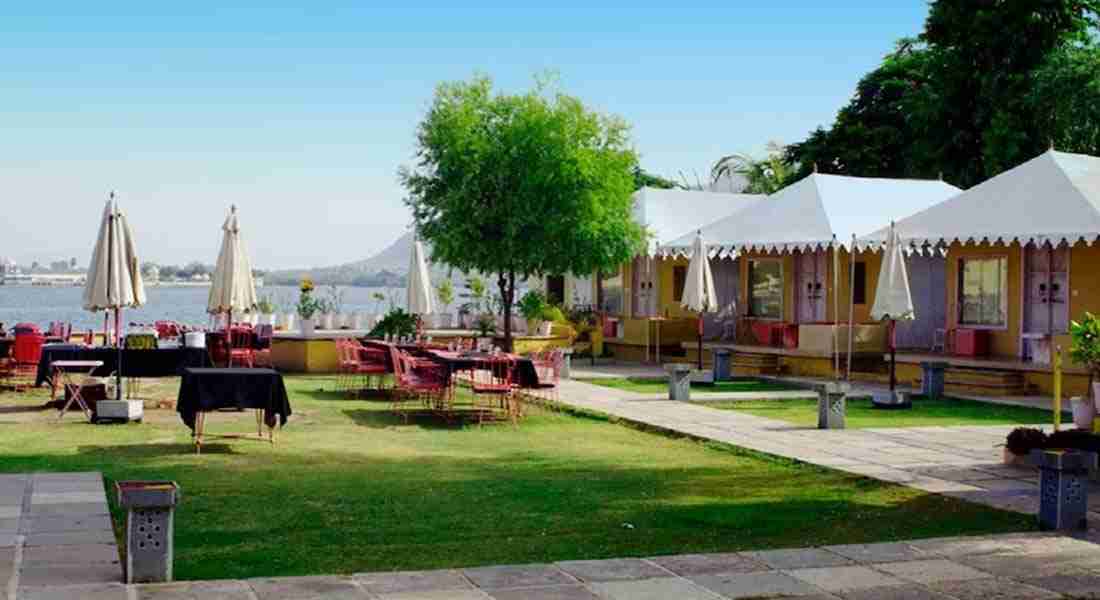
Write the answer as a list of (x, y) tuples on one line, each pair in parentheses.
[(521, 185), (960, 100)]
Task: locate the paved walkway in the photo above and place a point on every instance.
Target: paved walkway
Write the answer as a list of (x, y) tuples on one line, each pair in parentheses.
[(1022, 566), (55, 529), (965, 461)]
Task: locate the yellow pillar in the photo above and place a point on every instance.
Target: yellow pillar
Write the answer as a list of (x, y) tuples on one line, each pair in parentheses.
[(1057, 387)]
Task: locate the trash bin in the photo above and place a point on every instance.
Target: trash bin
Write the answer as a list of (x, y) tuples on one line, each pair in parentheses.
[(1063, 488), (679, 381), (150, 508), (832, 406), (567, 364), (721, 360), (932, 378)]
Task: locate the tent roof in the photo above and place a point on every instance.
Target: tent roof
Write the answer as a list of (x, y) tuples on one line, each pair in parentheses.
[(669, 213), (1054, 197), (808, 213)]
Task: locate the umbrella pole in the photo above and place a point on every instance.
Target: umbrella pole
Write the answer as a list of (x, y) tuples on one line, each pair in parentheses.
[(893, 357), (700, 332), (118, 363)]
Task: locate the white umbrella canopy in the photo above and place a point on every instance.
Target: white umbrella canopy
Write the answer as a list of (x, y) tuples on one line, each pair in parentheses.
[(114, 275), (893, 299), (232, 288), (419, 287), (699, 294)]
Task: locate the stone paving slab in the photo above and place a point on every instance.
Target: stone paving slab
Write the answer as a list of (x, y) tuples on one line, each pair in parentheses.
[(842, 579), (308, 588), (517, 576), (618, 569), (558, 592), (653, 589), (412, 581), (752, 585)]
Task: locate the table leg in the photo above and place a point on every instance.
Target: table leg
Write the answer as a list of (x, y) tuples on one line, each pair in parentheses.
[(67, 385), (260, 423), (200, 423)]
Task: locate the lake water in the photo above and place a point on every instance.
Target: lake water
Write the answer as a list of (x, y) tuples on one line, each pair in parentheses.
[(41, 304)]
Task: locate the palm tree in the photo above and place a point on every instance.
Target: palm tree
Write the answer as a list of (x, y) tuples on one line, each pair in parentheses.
[(763, 176)]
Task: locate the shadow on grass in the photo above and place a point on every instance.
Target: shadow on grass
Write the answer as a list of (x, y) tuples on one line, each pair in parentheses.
[(422, 418), (341, 396), (154, 450), (10, 410)]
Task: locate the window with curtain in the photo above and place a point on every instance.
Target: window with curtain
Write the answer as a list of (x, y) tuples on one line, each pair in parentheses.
[(859, 284), (766, 289), (983, 291), (679, 280), (611, 292)]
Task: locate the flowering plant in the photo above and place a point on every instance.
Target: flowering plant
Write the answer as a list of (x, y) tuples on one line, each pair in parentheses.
[(307, 304)]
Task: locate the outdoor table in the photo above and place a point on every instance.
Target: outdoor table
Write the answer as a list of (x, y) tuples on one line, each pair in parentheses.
[(5, 346), (67, 371), (160, 362), (205, 390), (526, 376)]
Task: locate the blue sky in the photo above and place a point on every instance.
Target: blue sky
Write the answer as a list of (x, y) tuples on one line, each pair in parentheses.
[(301, 113)]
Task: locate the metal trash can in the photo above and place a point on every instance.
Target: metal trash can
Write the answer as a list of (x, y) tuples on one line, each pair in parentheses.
[(679, 381), (721, 360), (150, 509), (832, 406), (932, 379), (566, 364), (1063, 488)]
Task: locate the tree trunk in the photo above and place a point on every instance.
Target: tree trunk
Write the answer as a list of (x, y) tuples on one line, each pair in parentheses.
[(507, 284)]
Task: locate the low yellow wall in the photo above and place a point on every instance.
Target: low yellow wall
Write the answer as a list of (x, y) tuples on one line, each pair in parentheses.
[(305, 356), (527, 345)]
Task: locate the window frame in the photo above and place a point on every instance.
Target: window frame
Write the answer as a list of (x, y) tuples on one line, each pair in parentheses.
[(749, 289), (960, 269)]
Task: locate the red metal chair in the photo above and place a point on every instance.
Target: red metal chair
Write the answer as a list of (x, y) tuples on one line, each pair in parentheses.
[(240, 347), (548, 366), (493, 385), (26, 352), (431, 385)]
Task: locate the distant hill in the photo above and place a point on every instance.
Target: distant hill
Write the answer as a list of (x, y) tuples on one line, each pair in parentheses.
[(388, 268)]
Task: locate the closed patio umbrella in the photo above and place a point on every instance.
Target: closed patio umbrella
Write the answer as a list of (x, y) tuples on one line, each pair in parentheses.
[(699, 295), (232, 288), (114, 276), (893, 299), (419, 287)]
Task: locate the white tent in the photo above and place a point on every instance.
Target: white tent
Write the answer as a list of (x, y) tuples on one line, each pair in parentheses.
[(667, 214), (1054, 197), (419, 287), (808, 213), (232, 288)]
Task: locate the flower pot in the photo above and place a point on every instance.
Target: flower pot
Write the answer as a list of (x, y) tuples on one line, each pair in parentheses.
[(546, 329), (307, 326), (444, 320), (534, 326), (355, 320), (328, 321), (288, 321), (1084, 412)]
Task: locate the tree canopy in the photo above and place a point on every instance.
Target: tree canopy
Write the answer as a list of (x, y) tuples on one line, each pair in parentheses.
[(521, 185), (971, 97)]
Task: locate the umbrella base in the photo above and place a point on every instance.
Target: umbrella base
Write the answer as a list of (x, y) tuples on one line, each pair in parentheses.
[(891, 400), (119, 410)]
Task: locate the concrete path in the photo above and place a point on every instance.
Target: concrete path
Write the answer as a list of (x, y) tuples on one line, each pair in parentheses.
[(1022, 566), (55, 529), (965, 461)]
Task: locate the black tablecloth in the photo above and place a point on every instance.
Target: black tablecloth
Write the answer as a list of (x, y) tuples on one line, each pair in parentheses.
[(526, 376), (162, 362), (212, 389), (6, 344)]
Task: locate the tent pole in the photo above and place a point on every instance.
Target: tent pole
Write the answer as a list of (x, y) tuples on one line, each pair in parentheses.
[(836, 310), (851, 303), (893, 356)]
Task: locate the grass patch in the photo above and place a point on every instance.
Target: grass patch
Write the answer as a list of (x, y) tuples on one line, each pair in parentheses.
[(351, 488), (643, 385), (925, 412)]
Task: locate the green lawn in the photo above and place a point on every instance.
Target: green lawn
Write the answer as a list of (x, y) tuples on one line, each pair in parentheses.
[(925, 412), (654, 386), (351, 488)]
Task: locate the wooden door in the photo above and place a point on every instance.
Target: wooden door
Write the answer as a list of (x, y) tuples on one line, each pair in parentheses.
[(1046, 293), (927, 281), (810, 276)]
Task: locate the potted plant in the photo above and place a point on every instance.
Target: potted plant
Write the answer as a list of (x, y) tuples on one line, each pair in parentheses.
[(1019, 444), (307, 307), (531, 306), (265, 306), (486, 325), (1085, 350), (550, 315), (445, 291), (396, 323)]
